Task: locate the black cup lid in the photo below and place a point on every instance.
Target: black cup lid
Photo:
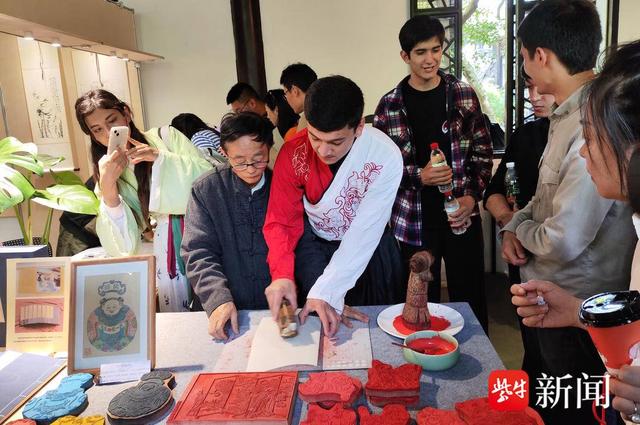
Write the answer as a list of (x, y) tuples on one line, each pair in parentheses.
[(611, 309)]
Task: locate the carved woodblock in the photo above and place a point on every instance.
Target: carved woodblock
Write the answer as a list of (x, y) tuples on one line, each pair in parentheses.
[(337, 415), (392, 414), (477, 411), (431, 416), (148, 400), (74, 420), (237, 398), (329, 388), (54, 404), (389, 385)]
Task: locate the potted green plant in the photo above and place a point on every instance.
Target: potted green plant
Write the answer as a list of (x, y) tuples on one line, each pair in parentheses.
[(18, 163)]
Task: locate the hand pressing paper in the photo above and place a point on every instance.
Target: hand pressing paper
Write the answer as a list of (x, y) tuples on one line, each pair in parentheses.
[(269, 351)]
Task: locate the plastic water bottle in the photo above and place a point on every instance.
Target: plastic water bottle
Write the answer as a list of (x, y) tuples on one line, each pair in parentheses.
[(439, 160), (512, 186), (452, 205)]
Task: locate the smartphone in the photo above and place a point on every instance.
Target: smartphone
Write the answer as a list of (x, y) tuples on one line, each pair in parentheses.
[(118, 137)]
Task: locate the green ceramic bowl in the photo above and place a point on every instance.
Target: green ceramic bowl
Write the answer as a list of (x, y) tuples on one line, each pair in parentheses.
[(433, 362)]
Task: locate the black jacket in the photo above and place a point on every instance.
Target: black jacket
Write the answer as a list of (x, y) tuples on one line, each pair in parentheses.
[(223, 247)]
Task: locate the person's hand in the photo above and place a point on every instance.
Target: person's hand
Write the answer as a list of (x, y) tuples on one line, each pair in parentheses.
[(219, 318), (434, 176), (329, 317), (141, 152), (276, 291), (626, 389), (560, 308), (460, 217), (352, 313), (111, 167), (512, 250), (504, 218)]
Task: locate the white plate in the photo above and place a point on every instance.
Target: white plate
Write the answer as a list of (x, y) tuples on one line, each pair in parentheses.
[(386, 317)]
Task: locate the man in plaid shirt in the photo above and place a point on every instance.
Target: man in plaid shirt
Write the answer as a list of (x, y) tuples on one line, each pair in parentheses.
[(430, 106)]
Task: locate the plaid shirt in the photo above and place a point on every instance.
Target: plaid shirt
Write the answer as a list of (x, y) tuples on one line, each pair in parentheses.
[(471, 153)]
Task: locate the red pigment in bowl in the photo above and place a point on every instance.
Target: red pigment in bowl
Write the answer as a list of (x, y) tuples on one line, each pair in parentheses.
[(437, 324), (434, 345)]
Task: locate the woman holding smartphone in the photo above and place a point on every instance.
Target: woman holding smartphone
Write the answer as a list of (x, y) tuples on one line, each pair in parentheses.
[(142, 186), (612, 153)]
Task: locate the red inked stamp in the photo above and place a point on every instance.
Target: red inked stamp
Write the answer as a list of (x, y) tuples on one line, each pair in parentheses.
[(508, 390)]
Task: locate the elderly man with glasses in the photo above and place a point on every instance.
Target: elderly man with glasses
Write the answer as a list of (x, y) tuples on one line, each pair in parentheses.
[(223, 248)]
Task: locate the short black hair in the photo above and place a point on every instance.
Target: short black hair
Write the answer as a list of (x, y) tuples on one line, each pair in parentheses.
[(234, 126), (525, 77), (333, 103), (241, 92), (612, 114), (287, 119), (418, 29), (189, 124), (298, 74), (569, 28)]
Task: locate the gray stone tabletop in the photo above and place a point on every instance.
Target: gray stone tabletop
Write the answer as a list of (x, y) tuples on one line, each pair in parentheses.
[(184, 347)]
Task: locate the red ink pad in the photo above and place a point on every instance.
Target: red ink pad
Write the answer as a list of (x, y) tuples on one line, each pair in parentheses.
[(405, 328), (432, 346)]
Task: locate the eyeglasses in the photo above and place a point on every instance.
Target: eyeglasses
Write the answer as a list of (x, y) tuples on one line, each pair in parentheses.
[(258, 165)]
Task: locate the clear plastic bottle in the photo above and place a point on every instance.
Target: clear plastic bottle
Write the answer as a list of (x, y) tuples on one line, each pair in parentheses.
[(439, 160), (512, 186), (451, 205)]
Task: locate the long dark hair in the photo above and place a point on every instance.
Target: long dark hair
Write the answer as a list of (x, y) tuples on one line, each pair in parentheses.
[(287, 119), (612, 108), (102, 99), (189, 124)]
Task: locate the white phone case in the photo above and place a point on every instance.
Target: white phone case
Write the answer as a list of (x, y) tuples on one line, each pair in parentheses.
[(118, 137)]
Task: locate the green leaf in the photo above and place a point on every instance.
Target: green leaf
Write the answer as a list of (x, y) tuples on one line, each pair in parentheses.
[(66, 177), (48, 161), (14, 187), (72, 198), (13, 151)]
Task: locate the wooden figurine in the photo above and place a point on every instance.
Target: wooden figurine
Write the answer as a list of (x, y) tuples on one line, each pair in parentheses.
[(145, 402), (416, 311)]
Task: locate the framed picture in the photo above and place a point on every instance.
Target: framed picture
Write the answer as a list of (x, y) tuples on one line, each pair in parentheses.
[(112, 313), (38, 305)]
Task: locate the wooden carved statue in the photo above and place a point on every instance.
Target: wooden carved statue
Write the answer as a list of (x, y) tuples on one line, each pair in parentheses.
[(416, 312)]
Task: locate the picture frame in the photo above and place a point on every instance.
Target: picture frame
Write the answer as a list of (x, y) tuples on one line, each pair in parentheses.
[(112, 312), (38, 305)]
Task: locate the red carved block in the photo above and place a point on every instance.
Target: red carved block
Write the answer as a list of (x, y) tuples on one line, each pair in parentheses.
[(262, 398), (392, 414), (383, 401), (387, 385), (431, 416), (337, 415), (477, 411), (22, 422), (329, 388)]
